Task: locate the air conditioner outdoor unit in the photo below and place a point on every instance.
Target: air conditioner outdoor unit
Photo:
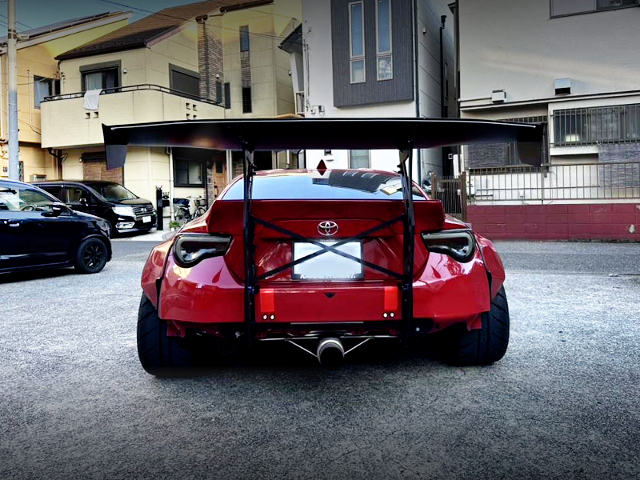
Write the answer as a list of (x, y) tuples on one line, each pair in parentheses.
[(498, 96), (38, 177)]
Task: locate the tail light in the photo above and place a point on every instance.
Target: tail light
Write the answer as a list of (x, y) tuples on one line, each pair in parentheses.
[(191, 249), (458, 244)]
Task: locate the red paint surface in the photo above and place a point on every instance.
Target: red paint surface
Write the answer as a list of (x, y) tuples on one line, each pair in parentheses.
[(212, 292), (557, 222)]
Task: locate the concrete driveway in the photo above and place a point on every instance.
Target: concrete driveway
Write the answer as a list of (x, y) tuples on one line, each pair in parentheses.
[(564, 402)]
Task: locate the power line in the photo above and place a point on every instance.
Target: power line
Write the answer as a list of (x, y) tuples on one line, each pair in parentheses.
[(19, 23)]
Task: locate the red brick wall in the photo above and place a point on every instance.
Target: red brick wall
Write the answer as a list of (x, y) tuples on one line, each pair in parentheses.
[(98, 171), (557, 222)]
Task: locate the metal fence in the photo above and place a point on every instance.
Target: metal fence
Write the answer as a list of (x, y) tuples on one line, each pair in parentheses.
[(134, 88), (451, 192), (588, 181)]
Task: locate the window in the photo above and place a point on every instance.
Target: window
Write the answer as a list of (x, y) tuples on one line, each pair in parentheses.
[(336, 185), (383, 38), (359, 159), (100, 76), (596, 125), (44, 87), (247, 107), (356, 40), (188, 173), (245, 44), (184, 81), (571, 7), (219, 93), (74, 194), (446, 81), (18, 198), (54, 190), (227, 95)]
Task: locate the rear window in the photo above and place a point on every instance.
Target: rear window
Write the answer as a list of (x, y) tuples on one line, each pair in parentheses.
[(333, 185)]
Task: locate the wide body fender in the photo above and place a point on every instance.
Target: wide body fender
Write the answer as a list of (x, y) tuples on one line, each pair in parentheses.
[(445, 291)]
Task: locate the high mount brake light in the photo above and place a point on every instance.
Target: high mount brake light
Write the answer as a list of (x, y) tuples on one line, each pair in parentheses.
[(458, 244), (191, 249)]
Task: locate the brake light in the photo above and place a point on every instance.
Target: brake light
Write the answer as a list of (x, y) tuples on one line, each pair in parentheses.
[(458, 244), (191, 249)]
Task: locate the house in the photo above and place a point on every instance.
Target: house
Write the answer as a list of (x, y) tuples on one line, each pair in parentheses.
[(375, 58), (559, 63), (38, 77), (207, 60)]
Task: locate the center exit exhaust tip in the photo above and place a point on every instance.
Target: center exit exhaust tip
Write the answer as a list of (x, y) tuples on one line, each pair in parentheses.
[(330, 353)]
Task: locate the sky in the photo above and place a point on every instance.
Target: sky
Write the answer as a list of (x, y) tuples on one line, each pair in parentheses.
[(36, 13)]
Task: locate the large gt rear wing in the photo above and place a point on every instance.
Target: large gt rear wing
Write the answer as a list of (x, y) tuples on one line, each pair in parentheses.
[(337, 134)]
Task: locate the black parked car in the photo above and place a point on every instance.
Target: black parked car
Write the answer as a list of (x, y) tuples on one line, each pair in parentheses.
[(126, 212), (37, 231)]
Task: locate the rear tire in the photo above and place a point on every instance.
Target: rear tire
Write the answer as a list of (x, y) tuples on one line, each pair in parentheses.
[(91, 256), (485, 346), (160, 355)]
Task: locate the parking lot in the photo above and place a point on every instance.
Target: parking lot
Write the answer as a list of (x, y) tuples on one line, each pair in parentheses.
[(564, 402)]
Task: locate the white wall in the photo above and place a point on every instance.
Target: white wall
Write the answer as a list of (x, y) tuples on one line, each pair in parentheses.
[(516, 46)]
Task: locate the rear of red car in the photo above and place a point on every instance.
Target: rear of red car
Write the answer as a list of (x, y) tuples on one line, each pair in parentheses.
[(328, 255)]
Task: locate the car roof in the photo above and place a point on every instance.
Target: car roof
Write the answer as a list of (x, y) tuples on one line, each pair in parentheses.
[(6, 181), (81, 182)]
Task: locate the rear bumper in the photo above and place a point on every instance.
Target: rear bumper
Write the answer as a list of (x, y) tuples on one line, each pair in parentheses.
[(210, 298)]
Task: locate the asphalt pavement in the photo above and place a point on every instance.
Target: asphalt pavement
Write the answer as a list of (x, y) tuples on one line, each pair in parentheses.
[(563, 403)]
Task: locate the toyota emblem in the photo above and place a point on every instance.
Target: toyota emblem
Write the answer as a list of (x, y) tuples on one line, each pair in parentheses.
[(328, 228)]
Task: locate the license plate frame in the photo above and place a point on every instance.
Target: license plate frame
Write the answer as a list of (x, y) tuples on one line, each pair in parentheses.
[(323, 267), (146, 219)]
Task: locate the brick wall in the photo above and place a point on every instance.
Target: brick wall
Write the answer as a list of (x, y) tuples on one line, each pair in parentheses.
[(98, 171), (557, 222), (484, 155), (210, 56)]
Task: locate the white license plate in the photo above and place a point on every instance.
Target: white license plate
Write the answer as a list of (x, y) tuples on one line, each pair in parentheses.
[(146, 219), (328, 266)]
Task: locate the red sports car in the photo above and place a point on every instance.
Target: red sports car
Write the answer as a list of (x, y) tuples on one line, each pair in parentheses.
[(323, 259)]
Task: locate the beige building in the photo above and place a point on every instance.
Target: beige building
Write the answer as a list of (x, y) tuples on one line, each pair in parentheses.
[(38, 77), (209, 60)]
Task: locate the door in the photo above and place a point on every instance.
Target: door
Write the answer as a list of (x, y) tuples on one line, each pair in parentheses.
[(80, 199), (29, 235), (13, 251), (219, 176)]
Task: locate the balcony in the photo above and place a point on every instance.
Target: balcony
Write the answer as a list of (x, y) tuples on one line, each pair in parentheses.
[(66, 124)]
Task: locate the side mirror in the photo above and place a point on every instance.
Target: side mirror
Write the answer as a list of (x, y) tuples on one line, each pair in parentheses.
[(84, 202), (57, 209)]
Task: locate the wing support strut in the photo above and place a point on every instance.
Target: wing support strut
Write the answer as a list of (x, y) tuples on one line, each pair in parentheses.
[(250, 221)]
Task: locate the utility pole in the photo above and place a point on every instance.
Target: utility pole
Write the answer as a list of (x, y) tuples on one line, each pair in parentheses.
[(12, 73)]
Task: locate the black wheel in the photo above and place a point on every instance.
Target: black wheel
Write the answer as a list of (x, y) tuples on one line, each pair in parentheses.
[(160, 355), (91, 256), (485, 346)]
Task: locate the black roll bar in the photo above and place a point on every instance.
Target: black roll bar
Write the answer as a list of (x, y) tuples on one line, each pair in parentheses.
[(252, 285)]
